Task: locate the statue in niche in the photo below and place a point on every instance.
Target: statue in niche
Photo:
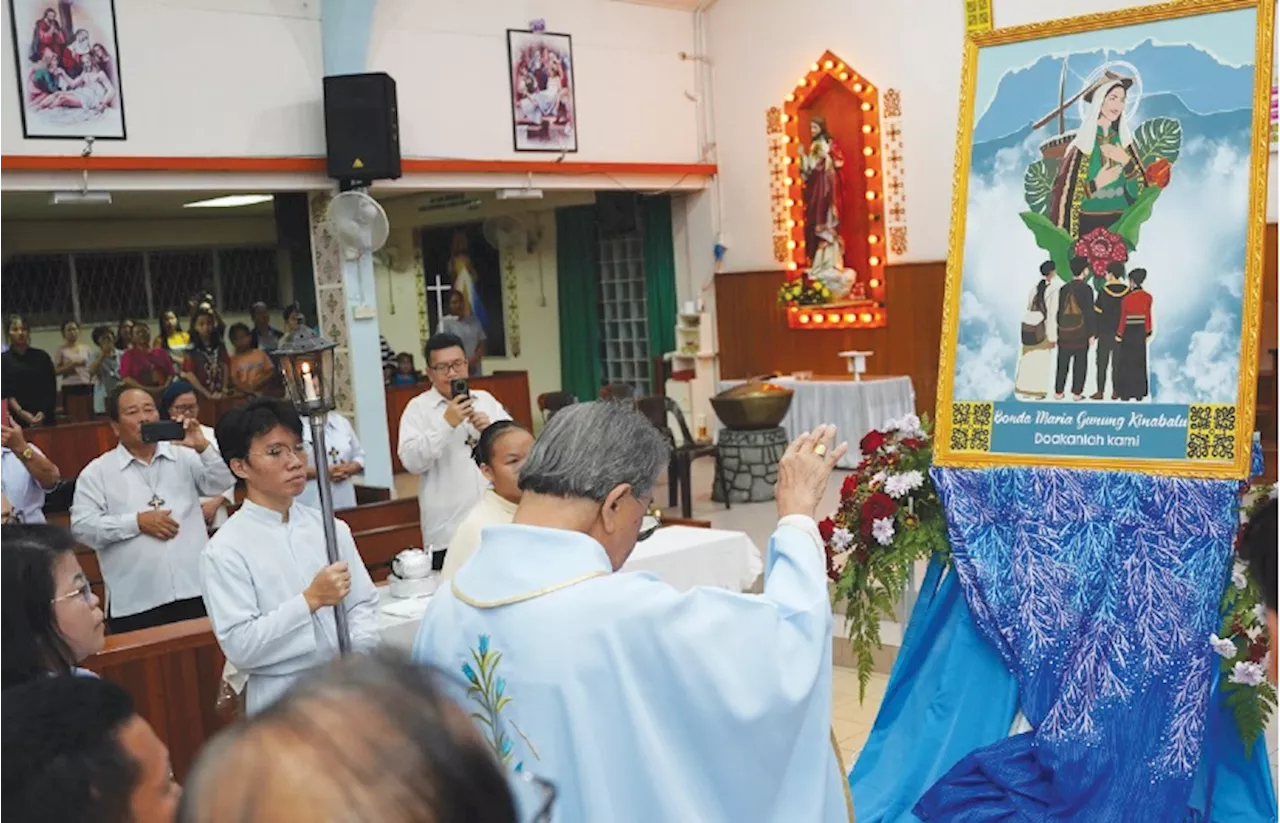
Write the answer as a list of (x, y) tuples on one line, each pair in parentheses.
[(822, 170)]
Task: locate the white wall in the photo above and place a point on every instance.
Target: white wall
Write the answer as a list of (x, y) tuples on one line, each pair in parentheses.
[(224, 78), (915, 46)]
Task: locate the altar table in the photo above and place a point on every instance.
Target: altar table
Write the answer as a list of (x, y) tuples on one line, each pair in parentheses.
[(854, 407), (683, 557)]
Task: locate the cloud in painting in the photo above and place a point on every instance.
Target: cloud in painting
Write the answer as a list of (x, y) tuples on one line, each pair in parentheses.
[(1209, 369)]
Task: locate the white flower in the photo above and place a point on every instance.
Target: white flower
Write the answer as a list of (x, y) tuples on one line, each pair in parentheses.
[(1253, 632), (878, 478), (908, 426), (897, 485), (882, 530), (1247, 674), (1238, 578), (1260, 613), (1223, 646), (1273, 492), (840, 539)]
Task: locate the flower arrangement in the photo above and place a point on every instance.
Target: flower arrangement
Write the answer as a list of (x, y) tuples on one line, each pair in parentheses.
[(889, 517), (1242, 643), (804, 291)]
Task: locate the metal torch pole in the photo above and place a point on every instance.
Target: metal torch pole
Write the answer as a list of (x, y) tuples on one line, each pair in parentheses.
[(326, 514)]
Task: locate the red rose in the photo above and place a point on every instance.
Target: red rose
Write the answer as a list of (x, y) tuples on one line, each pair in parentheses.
[(912, 443), (1258, 648), (827, 528), (849, 486), (877, 506), (1102, 246), (871, 442), (1158, 173), (832, 574)]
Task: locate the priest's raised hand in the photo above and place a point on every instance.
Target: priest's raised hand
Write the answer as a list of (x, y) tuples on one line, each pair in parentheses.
[(639, 702)]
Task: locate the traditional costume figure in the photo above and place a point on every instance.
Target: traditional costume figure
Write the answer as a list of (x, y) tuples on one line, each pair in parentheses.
[(1107, 306), (1132, 330), (1039, 336), (1077, 324), (1101, 174)]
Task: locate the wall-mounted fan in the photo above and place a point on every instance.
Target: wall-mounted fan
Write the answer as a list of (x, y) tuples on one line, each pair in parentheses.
[(359, 223)]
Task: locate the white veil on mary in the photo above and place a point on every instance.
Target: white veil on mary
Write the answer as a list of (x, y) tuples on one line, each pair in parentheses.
[(1102, 82)]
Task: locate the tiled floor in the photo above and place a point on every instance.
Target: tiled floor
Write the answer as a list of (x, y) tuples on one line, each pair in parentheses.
[(851, 720)]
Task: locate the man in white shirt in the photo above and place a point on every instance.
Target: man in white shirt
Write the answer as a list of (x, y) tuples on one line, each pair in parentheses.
[(272, 624), (138, 506), (437, 433), (26, 475), (180, 402)]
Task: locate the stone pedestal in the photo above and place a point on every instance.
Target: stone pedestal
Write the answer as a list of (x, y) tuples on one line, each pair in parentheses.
[(749, 460)]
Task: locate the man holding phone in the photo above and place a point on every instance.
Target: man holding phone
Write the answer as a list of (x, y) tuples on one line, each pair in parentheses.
[(138, 507), (438, 430)]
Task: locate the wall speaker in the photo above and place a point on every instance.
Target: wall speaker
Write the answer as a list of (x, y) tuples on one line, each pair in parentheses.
[(362, 127)]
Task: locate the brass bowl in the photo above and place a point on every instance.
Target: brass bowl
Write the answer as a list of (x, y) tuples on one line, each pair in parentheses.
[(752, 405)]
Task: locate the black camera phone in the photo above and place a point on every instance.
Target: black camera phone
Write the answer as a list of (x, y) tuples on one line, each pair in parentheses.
[(459, 387), (159, 430)]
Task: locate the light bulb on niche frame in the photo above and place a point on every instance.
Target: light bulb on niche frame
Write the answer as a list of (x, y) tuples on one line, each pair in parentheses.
[(867, 151), (844, 75), (828, 65), (857, 87), (875, 261), (871, 195), (873, 283), (867, 128), (873, 239), (866, 107), (870, 172)]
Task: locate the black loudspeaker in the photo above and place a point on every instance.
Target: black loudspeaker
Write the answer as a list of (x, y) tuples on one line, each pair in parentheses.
[(362, 127), (616, 213)]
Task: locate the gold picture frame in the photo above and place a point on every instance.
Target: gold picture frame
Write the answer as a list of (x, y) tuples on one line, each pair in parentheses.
[(968, 430)]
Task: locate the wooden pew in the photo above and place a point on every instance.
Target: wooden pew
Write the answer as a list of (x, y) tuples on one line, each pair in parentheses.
[(72, 446), (511, 389), (173, 673)]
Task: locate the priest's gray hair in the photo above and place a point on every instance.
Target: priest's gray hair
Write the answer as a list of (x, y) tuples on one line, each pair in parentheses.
[(589, 449)]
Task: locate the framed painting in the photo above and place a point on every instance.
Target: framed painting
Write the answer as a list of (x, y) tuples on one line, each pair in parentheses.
[(68, 66), (1105, 266), (464, 288), (544, 116)]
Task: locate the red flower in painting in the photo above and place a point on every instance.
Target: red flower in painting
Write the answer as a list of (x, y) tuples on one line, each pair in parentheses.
[(826, 528), (1158, 173), (1101, 246), (871, 442)]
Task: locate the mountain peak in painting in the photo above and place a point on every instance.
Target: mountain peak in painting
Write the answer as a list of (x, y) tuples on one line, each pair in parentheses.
[(1200, 80)]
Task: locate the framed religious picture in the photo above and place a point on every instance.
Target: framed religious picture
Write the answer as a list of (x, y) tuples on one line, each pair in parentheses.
[(1103, 283), (543, 114), (68, 66), (464, 287)]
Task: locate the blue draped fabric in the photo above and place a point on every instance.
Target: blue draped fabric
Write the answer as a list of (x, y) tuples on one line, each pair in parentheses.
[(949, 694), (1098, 591)]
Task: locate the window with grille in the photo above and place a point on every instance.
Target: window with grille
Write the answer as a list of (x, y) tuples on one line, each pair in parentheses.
[(624, 329), (103, 287)]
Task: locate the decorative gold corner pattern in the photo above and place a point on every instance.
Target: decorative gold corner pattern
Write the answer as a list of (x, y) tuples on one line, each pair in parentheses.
[(511, 294), (971, 426), (1211, 431)]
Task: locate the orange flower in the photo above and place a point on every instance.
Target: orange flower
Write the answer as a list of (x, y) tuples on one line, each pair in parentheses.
[(1158, 173)]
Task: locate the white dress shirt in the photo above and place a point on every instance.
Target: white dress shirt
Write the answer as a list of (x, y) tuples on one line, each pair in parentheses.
[(141, 571), (24, 491), (344, 447), (230, 494), (253, 574), (449, 481), (492, 510)]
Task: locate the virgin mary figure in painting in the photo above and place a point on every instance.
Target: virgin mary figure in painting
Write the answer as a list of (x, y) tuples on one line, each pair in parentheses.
[(822, 168), (1101, 173)]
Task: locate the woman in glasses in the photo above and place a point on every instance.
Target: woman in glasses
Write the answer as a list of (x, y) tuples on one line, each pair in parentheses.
[(52, 620), (268, 584)]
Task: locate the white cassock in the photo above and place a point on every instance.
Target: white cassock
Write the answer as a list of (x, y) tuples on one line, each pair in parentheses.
[(230, 494), (253, 573), (343, 447), (640, 703)]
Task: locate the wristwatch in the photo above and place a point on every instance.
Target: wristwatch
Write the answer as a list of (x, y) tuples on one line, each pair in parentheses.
[(27, 453)]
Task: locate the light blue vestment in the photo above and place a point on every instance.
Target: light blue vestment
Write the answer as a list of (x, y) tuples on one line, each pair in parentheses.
[(640, 703)]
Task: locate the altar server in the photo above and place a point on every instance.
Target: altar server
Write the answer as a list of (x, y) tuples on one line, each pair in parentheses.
[(269, 626), (345, 457), (638, 702)]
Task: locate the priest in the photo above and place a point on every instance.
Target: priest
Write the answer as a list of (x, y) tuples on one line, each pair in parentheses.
[(637, 702)]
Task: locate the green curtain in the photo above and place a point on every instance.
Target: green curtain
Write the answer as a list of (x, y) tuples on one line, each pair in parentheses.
[(578, 292), (659, 273)]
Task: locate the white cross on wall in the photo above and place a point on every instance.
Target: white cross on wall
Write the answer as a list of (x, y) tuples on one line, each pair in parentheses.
[(440, 288)]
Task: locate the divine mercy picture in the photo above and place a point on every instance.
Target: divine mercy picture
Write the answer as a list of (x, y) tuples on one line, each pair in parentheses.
[(544, 116), (464, 289), (68, 68), (1103, 282)]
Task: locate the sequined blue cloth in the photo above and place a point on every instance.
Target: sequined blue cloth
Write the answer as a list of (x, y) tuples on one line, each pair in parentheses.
[(1099, 591)]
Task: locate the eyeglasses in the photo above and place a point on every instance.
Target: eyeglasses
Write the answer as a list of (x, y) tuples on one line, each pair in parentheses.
[(650, 523), (282, 452), (186, 409), (85, 593), (445, 368), (545, 792)]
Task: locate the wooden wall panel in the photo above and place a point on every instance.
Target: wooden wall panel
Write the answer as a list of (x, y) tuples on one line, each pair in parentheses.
[(1270, 299), (754, 337)]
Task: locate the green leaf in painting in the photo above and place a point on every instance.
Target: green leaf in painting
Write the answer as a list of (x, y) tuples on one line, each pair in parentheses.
[(1053, 239), (1132, 218), (1158, 138), (1037, 184)]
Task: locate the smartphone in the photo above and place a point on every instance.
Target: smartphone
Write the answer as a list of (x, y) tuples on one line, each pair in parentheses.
[(162, 430), (459, 387)]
